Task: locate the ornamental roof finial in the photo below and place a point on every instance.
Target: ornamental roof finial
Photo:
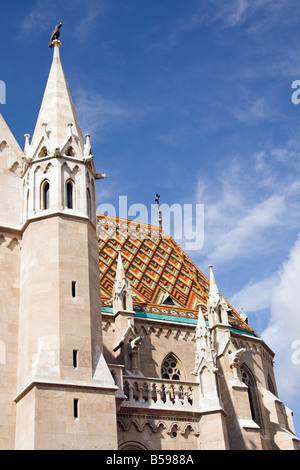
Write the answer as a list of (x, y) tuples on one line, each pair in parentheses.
[(159, 213), (54, 41)]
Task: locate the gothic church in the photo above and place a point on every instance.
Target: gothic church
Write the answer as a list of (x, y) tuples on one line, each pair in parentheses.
[(110, 336)]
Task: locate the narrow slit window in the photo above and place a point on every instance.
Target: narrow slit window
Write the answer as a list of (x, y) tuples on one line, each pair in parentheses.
[(75, 358), (89, 203), (70, 195), (73, 289), (76, 408), (46, 196)]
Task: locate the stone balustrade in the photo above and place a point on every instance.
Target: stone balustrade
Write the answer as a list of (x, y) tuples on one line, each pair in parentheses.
[(155, 393)]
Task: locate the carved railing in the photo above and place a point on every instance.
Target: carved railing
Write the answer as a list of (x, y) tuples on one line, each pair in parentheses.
[(155, 393)]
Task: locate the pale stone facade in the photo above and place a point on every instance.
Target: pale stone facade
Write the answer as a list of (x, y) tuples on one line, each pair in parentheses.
[(74, 376)]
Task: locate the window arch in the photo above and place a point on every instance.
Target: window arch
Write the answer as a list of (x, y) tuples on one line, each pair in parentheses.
[(132, 445), (43, 152), (171, 368), (89, 203), (45, 195), (249, 380), (271, 385), (70, 152), (70, 194)]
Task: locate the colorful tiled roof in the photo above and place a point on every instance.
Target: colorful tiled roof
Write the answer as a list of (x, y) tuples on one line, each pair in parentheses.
[(165, 283)]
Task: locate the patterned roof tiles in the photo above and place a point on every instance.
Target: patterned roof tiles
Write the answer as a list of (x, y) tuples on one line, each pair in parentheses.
[(155, 266)]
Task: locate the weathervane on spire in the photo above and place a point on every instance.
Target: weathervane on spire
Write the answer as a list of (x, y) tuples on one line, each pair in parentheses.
[(55, 35), (159, 213)]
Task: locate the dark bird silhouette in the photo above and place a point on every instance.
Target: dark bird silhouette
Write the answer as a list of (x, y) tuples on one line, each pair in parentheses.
[(157, 198), (55, 34)]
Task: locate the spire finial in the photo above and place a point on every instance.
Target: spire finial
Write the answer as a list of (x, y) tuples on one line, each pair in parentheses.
[(159, 213), (213, 288), (200, 320), (57, 108), (120, 274), (54, 41)]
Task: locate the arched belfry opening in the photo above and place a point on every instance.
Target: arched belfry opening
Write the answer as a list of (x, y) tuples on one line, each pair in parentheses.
[(70, 194), (45, 195)]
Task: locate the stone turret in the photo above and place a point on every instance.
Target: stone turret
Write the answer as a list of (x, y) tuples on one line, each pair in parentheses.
[(61, 367)]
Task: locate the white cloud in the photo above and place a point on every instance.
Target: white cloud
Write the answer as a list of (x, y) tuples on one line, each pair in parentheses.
[(37, 20), (250, 206), (255, 296), (283, 331), (236, 12), (262, 13), (97, 114), (253, 110), (45, 14), (245, 234), (92, 10), (239, 215)]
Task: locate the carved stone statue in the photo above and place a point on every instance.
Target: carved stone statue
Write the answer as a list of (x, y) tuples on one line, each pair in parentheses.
[(55, 34)]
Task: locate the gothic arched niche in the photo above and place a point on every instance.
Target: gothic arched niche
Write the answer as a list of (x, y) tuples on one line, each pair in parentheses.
[(206, 381)]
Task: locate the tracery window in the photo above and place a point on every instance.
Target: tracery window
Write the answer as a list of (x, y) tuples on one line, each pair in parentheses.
[(249, 380), (170, 368)]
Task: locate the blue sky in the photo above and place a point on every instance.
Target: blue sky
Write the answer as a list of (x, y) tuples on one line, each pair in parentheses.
[(190, 99)]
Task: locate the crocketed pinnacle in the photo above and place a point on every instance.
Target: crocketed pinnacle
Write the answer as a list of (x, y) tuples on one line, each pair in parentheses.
[(57, 110), (213, 288)]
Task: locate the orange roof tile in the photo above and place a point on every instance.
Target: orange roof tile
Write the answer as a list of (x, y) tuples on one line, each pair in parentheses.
[(155, 265)]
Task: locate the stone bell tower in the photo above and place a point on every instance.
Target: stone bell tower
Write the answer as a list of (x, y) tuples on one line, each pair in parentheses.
[(65, 391)]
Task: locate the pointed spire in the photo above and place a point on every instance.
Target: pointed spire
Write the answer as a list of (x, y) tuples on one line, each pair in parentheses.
[(57, 110), (213, 288), (120, 275), (122, 293), (216, 305)]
